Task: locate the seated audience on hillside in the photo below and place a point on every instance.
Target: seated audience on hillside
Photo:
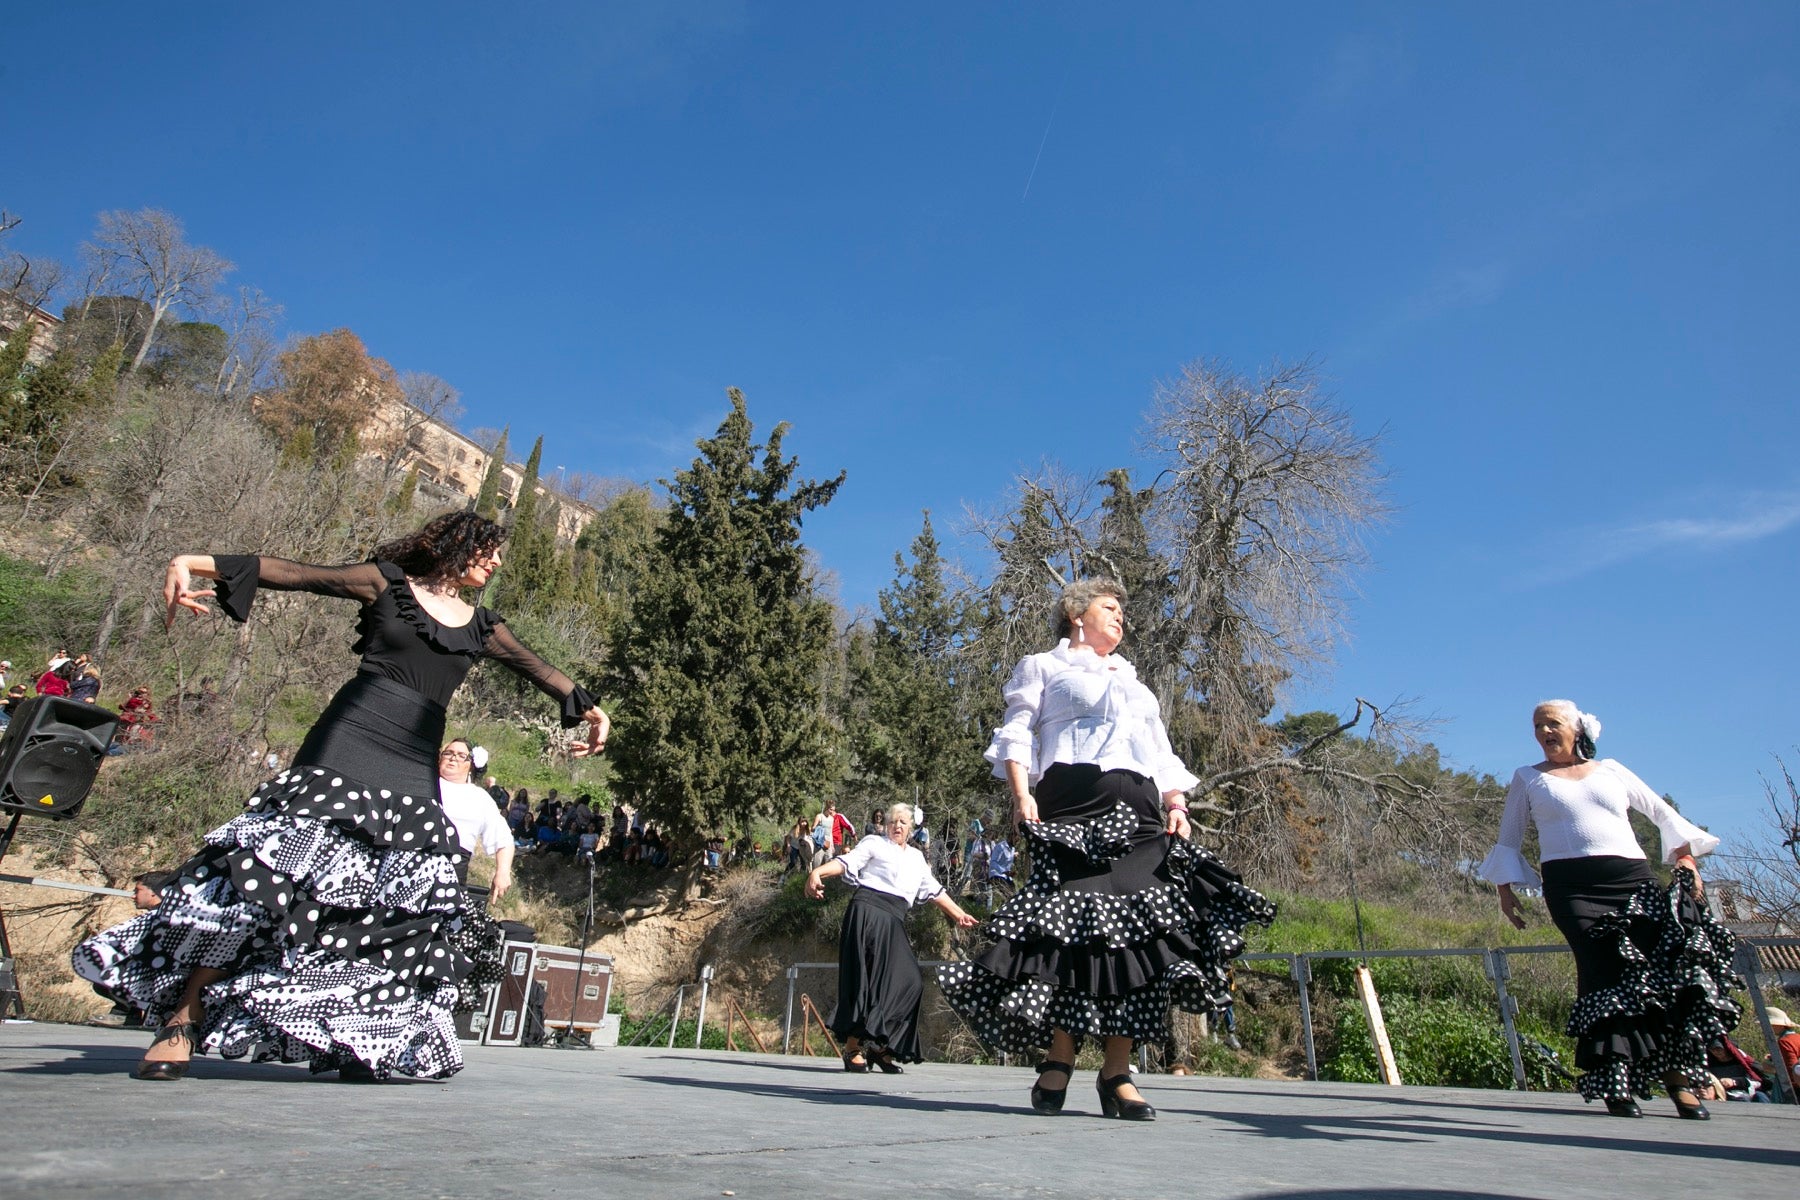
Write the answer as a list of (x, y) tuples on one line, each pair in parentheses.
[(1733, 1075), (55, 680), (85, 687)]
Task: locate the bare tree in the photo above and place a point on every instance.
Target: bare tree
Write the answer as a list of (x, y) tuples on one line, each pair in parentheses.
[(1266, 494), (148, 251), (1769, 866), (250, 346)]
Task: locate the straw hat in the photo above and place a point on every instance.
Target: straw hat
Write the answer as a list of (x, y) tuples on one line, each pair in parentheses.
[(1779, 1019)]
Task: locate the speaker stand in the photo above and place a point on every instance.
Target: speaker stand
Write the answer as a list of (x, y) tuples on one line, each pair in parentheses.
[(568, 1039), (11, 998)]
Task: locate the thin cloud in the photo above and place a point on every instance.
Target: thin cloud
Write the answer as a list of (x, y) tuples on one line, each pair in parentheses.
[(1753, 518)]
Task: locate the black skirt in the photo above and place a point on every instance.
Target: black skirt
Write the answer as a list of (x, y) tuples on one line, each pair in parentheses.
[(1652, 969), (879, 984), (1117, 922), (332, 905)]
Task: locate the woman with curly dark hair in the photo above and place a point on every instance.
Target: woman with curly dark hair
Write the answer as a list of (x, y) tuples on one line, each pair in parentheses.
[(327, 923)]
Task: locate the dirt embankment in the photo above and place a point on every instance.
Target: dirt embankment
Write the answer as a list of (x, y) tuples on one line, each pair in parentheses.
[(43, 925)]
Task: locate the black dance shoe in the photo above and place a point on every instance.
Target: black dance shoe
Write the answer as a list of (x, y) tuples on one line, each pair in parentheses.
[(1692, 1109), (1624, 1108), (884, 1060), (1125, 1110), (856, 1068), (357, 1071), (1048, 1102), (1686, 1103), (168, 1072)]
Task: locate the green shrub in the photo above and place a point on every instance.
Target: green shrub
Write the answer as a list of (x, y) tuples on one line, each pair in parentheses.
[(1439, 1042)]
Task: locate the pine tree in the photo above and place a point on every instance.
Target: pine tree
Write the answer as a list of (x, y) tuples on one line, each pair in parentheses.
[(487, 500), (911, 737), (720, 685)]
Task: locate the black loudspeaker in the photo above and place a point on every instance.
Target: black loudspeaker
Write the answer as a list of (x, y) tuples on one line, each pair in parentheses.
[(50, 755)]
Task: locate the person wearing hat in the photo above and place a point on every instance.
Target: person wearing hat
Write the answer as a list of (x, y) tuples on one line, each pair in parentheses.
[(1787, 1042)]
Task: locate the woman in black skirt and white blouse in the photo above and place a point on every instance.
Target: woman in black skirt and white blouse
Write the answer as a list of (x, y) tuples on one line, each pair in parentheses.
[(1122, 915), (327, 923), (879, 984), (1652, 967)]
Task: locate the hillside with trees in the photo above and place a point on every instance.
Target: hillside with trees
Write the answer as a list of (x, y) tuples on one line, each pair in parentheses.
[(175, 415)]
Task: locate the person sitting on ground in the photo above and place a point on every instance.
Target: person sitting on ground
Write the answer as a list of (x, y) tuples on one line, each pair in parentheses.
[(55, 680), (14, 696), (85, 687), (1732, 1076)]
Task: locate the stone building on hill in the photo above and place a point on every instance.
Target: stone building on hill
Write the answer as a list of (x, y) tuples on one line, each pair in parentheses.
[(451, 466), (46, 326)]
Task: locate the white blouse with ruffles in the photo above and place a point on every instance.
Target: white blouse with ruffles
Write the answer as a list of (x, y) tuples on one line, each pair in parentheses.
[(1582, 818), (1074, 706), (879, 865)]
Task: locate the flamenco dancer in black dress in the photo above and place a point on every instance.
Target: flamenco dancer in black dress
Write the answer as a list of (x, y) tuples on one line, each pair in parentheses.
[(1122, 915), (326, 922), (1653, 976)]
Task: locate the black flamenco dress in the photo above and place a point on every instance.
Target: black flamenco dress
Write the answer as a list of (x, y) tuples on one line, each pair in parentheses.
[(880, 985), (1117, 920), (332, 902), (1653, 967)]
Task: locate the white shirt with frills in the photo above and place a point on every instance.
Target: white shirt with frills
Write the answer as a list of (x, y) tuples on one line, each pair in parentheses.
[(1070, 705)]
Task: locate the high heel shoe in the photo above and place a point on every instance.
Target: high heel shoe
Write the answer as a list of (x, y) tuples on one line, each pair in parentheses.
[(1624, 1108), (167, 1071), (884, 1060), (1125, 1110), (1048, 1102), (855, 1068), (1690, 1109)]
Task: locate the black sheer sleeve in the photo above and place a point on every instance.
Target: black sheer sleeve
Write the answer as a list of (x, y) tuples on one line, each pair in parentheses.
[(503, 647), (240, 575)]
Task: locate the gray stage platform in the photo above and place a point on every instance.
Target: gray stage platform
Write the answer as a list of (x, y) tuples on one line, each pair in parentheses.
[(678, 1123)]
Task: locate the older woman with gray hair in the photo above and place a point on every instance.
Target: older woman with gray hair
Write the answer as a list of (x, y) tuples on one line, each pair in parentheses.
[(1122, 915), (1653, 968), (879, 983)]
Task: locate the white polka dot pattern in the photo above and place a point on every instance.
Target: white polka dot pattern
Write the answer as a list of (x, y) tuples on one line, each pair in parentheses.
[(339, 946), (1670, 1004), (1178, 937)]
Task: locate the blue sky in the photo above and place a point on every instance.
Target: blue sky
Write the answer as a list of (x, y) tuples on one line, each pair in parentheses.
[(1548, 250)]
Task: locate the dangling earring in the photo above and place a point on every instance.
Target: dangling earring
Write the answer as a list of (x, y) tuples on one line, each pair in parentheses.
[(1080, 633)]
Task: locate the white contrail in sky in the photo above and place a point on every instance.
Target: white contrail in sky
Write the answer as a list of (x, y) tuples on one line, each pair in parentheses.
[(1042, 142)]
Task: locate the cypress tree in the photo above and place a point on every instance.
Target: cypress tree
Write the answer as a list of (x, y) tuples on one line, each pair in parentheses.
[(720, 685)]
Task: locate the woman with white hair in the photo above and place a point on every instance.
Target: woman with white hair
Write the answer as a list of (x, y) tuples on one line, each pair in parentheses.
[(1652, 967), (1122, 915), (879, 983)]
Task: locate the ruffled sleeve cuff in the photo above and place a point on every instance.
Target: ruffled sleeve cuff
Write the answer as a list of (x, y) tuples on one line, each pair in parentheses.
[(1005, 748), (1172, 775), (1506, 865), (235, 588), (576, 703), (1677, 831)]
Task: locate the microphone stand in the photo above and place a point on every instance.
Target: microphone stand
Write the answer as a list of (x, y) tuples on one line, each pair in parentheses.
[(567, 1040)]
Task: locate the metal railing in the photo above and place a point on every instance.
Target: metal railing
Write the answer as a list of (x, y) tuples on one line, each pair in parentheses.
[(1496, 966)]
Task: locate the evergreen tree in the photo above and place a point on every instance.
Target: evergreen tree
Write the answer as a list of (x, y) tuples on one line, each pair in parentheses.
[(911, 737), (487, 500), (720, 683)]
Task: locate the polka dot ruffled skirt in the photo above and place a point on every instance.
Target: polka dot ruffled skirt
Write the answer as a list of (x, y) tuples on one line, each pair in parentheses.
[(1667, 967), (1116, 923), (335, 910)]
